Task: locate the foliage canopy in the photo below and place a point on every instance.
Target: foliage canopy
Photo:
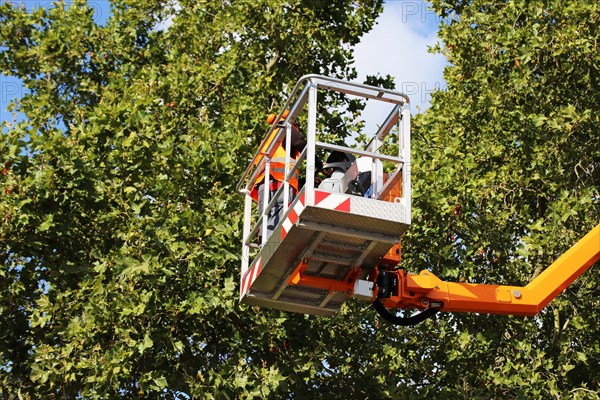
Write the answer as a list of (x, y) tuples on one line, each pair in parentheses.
[(119, 223)]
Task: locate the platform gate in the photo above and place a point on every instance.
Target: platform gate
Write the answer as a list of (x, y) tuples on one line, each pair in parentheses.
[(324, 239)]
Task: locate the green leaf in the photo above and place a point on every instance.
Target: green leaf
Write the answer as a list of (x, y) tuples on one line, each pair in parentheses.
[(47, 224), (127, 142), (159, 383), (145, 344)]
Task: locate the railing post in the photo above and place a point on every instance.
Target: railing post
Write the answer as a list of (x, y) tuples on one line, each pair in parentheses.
[(311, 139), (406, 184), (288, 160), (245, 234), (376, 170), (265, 204)]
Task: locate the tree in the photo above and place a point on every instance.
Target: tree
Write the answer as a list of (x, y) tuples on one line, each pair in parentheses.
[(120, 223), (506, 178)]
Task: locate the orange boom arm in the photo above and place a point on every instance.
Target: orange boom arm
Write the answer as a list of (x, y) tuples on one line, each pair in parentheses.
[(398, 289), (426, 290)]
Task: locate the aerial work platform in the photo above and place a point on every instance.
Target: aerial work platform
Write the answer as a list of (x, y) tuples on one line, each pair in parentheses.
[(339, 237), (326, 240)]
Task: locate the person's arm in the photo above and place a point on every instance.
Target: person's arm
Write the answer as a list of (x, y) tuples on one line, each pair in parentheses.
[(298, 142)]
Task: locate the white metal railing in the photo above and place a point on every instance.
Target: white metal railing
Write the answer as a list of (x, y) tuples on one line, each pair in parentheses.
[(305, 94)]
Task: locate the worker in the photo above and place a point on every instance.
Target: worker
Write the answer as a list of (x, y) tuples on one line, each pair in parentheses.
[(278, 172), (335, 169), (361, 185)]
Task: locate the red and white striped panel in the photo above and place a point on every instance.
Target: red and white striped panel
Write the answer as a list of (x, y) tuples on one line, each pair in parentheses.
[(331, 201), (292, 216), (250, 277)]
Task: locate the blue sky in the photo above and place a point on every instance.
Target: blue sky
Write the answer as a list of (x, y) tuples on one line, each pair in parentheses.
[(11, 88), (397, 46)]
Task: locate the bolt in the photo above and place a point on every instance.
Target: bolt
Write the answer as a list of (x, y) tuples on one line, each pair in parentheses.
[(517, 294), (425, 302)]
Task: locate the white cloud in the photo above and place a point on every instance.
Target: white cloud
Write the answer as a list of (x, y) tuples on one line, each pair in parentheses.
[(165, 24), (397, 46)]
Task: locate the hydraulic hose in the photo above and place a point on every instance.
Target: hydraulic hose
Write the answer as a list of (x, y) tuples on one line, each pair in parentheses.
[(403, 321)]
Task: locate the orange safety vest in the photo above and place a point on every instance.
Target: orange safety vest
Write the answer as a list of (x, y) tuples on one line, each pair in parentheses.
[(278, 170)]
